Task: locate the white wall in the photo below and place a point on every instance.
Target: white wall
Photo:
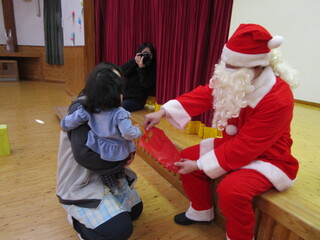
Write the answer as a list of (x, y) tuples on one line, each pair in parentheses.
[(71, 25), (29, 26), (298, 22)]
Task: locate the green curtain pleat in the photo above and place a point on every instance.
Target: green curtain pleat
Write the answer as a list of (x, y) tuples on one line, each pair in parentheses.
[(53, 33)]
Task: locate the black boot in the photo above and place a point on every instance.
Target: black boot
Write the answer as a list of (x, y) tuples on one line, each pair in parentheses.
[(183, 220)]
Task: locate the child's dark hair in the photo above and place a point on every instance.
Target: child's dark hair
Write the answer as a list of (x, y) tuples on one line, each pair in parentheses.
[(103, 88)]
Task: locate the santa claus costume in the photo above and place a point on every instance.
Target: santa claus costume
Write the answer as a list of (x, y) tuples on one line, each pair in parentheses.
[(254, 153)]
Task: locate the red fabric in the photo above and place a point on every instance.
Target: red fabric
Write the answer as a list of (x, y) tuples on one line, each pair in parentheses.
[(263, 132), (235, 191), (235, 194), (159, 146), (197, 185), (201, 94), (249, 39), (188, 36)]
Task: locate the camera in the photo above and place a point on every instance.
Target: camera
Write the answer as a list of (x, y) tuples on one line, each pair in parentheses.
[(146, 58)]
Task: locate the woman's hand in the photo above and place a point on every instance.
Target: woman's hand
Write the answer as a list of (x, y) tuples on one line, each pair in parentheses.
[(186, 166), (152, 119), (139, 60)]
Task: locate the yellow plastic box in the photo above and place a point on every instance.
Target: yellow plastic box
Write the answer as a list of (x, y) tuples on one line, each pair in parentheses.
[(4, 140)]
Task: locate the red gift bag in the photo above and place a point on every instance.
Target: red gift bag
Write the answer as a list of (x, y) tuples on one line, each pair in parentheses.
[(159, 146)]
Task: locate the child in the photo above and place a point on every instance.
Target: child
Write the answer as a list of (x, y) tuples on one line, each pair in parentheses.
[(111, 131)]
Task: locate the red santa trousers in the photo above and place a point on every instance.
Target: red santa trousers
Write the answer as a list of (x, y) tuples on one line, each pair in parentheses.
[(235, 192)]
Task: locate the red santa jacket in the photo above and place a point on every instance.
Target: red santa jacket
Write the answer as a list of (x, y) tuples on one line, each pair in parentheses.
[(258, 139)]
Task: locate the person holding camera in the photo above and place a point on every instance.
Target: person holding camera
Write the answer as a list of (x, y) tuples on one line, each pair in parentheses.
[(140, 78)]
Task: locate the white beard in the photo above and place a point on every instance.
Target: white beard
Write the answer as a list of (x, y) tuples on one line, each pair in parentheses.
[(230, 86)]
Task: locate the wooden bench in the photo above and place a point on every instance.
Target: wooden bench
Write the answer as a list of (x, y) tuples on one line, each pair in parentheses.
[(283, 216), (9, 70), (29, 64)]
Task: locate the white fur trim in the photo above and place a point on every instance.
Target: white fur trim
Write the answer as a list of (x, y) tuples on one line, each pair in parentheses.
[(231, 130), (204, 215), (176, 114), (275, 175), (263, 84), (275, 42), (199, 165), (206, 145), (244, 60), (210, 165)]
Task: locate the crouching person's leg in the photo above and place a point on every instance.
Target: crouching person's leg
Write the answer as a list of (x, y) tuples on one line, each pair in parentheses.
[(117, 228)]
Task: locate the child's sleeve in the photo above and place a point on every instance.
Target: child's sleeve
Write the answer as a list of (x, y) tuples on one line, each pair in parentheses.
[(74, 120), (127, 130)]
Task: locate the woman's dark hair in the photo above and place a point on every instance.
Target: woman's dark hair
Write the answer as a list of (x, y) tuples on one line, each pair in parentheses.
[(103, 88), (148, 45)]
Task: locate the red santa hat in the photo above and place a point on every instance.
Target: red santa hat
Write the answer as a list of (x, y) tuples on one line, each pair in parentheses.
[(250, 46)]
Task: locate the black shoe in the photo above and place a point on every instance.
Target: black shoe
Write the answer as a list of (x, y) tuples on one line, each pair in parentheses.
[(183, 220)]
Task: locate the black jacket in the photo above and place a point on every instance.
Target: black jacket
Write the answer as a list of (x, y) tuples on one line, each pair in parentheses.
[(139, 82)]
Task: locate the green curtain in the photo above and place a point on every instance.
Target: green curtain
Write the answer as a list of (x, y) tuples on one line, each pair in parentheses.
[(53, 33)]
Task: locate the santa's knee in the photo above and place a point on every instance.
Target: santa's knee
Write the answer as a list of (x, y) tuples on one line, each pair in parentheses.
[(230, 196)]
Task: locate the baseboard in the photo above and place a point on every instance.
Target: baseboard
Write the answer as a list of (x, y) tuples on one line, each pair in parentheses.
[(307, 103)]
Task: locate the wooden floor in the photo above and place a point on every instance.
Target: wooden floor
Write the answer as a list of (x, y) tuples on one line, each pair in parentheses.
[(29, 208)]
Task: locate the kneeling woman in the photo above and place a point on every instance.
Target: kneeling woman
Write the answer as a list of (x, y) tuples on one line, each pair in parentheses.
[(93, 210)]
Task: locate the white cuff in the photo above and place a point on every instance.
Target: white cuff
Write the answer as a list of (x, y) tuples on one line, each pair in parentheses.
[(176, 114), (203, 215), (199, 165)]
